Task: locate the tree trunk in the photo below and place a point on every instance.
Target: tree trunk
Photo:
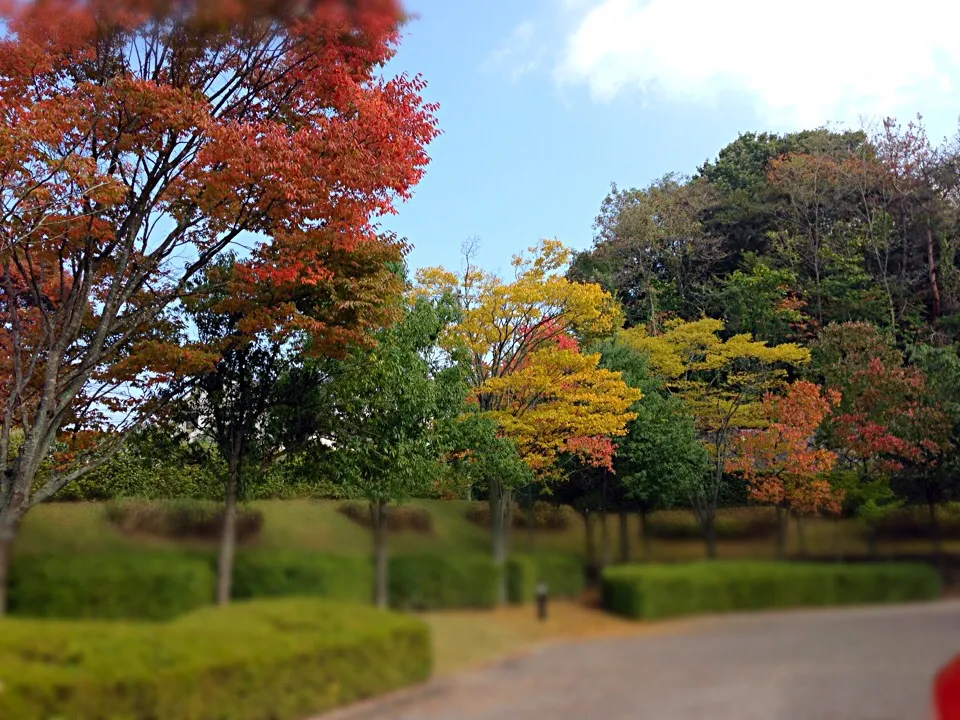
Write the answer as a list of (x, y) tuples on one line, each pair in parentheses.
[(624, 536), (6, 556), (873, 545), (588, 533), (604, 540), (935, 539), (379, 525), (228, 534), (837, 545), (10, 515), (501, 518), (710, 535), (781, 533), (801, 536), (645, 534), (932, 276)]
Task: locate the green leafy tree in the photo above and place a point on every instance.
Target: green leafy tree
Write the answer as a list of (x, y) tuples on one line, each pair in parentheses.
[(760, 301), (660, 461), (393, 407)]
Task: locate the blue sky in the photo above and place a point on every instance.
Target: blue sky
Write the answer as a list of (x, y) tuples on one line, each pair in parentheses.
[(543, 103)]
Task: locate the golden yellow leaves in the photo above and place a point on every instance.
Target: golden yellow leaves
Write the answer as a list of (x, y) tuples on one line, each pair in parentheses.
[(555, 396), (521, 339)]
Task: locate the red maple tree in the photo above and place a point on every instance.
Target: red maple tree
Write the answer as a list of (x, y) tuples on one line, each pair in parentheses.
[(140, 140), (781, 462)]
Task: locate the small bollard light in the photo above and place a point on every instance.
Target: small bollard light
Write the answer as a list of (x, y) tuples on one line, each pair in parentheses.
[(542, 601)]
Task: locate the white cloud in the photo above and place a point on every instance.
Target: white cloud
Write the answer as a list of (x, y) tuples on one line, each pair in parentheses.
[(803, 62), (516, 55)]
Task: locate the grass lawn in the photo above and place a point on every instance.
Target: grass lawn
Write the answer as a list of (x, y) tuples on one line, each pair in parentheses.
[(80, 528), (466, 638)]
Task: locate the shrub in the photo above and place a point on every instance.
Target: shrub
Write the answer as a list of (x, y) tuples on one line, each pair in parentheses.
[(406, 518), (913, 523), (546, 516), (742, 523), (651, 592), (149, 586), (268, 573), (181, 519), (563, 575), (265, 660), (430, 582)]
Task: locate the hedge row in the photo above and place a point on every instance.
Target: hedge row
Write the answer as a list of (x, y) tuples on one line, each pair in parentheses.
[(181, 519), (406, 518), (142, 585), (546, 516), (650, 592), (263, 660), (161, 585), (282, 573)]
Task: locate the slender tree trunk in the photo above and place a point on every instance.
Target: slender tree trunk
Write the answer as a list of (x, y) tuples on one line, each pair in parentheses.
[(873, 541), (932, 275), (781, 533), (10, 515), (837, 544), (6, 557), (588, 534), (935, 539), (531, 524), (500, 522), (801, 536), (604, 540), (624, 536), (644, 534), (378, 518), (710, 535), (228, 534)]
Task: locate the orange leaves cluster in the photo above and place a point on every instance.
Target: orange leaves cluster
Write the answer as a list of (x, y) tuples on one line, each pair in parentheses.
[(781, 462)]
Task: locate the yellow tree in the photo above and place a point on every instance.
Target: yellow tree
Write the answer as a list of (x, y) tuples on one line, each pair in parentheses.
[(518, 339), (723, 383)]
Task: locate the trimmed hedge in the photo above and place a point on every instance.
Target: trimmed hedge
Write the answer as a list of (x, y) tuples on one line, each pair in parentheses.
[(563, 575), (181, 519), (547, 517), (142, 586), (262, 660), (406, 518), (651, 592), (279, 573), (431, 582)]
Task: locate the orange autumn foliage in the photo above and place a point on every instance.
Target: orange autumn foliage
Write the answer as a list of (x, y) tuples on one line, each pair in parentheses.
[(781, 462)]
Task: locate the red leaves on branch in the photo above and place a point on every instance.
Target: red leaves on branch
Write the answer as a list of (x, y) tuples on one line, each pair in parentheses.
[(782, 463), (139, 140), (888, 421), (596, 452)]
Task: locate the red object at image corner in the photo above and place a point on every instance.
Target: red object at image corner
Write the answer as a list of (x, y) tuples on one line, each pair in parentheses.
[(946, 691)]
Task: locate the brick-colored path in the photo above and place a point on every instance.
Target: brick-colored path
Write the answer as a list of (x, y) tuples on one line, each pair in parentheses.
[(851, 664)]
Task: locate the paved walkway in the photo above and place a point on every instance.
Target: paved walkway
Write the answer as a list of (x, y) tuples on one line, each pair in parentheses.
[(852, 664)]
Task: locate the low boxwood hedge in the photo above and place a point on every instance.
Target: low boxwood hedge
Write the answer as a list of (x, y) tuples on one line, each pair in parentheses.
[(142, 585), (651, 591), (563, 575), (431, 582), (281, 573), (258, 660)]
